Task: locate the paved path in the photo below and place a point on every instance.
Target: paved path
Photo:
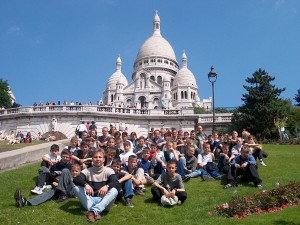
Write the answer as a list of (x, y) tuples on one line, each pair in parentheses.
[(18, 157)]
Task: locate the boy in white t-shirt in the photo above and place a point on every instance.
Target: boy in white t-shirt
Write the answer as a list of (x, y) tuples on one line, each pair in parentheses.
[(51, 158), (127, 152)]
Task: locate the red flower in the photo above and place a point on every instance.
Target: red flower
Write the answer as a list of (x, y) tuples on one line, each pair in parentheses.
[(270, 210), (236, 216), (244, 215), (209, 213)]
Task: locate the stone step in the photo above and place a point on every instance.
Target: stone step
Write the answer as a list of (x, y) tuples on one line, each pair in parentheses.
[(15, 158)]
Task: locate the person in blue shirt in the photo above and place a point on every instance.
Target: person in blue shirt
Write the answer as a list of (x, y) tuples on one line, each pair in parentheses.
[(243, 168)]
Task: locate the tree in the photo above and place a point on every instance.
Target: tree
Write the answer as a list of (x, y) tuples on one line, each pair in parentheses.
[(297, 98), (199, 110), (293, 122), (5, 99), (261, 107)]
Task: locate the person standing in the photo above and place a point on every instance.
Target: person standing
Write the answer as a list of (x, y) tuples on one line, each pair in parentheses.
[(81, 128)]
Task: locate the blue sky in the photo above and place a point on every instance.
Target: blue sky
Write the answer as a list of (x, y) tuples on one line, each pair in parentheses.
[(67, 49)]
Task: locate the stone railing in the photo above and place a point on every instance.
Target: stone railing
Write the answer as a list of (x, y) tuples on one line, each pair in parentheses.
[(219, 118), (202, 118), (94, 108)]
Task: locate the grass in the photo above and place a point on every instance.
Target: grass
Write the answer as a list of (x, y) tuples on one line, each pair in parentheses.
[(283, 167), (5, 147)]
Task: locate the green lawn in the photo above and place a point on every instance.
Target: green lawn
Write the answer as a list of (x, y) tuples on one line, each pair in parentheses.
[(5, 147), (283, 167)]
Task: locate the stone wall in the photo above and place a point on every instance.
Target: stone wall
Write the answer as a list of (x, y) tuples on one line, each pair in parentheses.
[(65, 119)]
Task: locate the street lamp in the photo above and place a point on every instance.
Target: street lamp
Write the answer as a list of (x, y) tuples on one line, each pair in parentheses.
[(212, 77)]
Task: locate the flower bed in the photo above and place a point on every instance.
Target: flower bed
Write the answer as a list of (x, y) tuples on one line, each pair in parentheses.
[(262, 202)]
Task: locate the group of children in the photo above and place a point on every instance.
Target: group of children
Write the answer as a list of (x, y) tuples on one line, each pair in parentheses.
[(101, 176)]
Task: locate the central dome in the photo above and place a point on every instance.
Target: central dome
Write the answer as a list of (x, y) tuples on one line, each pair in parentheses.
[(156, 45)]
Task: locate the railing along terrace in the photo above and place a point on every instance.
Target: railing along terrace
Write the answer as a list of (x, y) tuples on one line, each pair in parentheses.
[(89, 108), (202, 118)]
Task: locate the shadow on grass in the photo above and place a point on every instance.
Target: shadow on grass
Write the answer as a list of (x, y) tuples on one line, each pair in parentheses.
[(151, 201), (282, 222), (72, 206)]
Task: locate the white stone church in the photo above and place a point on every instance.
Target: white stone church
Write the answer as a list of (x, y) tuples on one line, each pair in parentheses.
[(157, 81)]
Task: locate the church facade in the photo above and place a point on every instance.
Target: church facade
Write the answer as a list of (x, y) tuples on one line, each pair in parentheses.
[(157, 81)]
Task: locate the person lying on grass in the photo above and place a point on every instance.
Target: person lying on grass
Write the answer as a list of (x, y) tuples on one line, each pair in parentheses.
[(64, 188)]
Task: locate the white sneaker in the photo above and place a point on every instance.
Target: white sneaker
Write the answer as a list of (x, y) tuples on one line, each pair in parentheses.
[(262, 163), (259, 186), (49, 187), (37, 190)]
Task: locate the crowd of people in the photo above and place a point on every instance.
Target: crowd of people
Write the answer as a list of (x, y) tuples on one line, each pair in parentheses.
[(64, 103), (16, 138), (103, 170)]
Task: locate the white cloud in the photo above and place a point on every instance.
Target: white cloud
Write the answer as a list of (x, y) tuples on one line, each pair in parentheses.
[(279, 4), (286, 7), (14, 30)]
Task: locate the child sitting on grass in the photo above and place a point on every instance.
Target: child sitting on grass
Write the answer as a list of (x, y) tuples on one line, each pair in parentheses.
[(110, 156), (66, 183), (126, 186), (51, 158), (243, 168), (51, 177), (225, 158), (83, 156), (127, 152), (146, 165), (190, 162), (138, 178), (206, 162), (169, 185)]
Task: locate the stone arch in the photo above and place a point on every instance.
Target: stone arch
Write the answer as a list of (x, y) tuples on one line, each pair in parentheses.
[(143, 101), (128, 102)]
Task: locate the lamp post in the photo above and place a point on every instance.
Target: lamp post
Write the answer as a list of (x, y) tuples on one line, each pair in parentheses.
[(212, 77)]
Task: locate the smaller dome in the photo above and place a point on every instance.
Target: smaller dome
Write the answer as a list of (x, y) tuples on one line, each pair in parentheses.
[(184, 76), (120, 80), (117, 77)]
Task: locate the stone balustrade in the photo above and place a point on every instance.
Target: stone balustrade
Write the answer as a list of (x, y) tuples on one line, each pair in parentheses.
[(40, 119), (202, 118)]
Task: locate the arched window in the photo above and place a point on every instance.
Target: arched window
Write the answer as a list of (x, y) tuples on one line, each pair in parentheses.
[(152, 78), (128, 102), (172, 82), (155, 103), (159, 80), (142, 100), (111, 98), (181, 94), (185, 94)]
